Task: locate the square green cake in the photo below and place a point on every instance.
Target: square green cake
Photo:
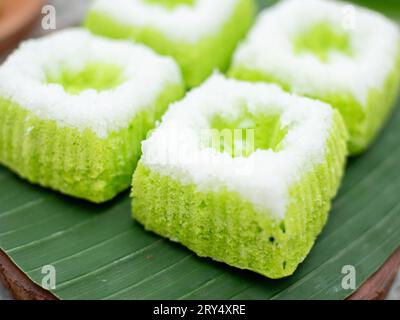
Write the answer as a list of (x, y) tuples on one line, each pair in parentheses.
[(243, 173), (74, 109), (329, 50), (200, 35)]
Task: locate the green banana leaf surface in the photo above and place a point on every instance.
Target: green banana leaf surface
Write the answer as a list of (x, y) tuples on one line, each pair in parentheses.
[(99, 252)]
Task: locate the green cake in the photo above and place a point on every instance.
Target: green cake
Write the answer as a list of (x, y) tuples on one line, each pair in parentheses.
[(242, 173), (200, 34), (75, 108), (344, 55)]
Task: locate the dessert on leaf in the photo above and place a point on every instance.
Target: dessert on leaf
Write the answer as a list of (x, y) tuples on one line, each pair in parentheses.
[(344, 55), (75, 108), (243, 173), (200, 34)]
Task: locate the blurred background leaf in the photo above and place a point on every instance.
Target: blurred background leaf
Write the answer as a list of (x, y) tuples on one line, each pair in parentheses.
[(390, 8), (100, 253)]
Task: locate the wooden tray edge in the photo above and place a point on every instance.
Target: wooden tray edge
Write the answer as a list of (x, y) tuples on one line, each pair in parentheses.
[(23, 288), (10, 41), (20, 286), (379, 284)]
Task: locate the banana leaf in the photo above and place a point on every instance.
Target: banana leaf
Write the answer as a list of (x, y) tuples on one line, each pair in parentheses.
[(99, 252)]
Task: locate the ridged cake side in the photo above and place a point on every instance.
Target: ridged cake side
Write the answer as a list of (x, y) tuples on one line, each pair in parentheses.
[(197, 60), (74, 162), (222, 226)]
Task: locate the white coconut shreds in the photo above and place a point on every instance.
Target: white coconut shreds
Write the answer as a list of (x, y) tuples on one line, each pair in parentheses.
[(186, 23), (23, 80), (174, 149), (374, 41)]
